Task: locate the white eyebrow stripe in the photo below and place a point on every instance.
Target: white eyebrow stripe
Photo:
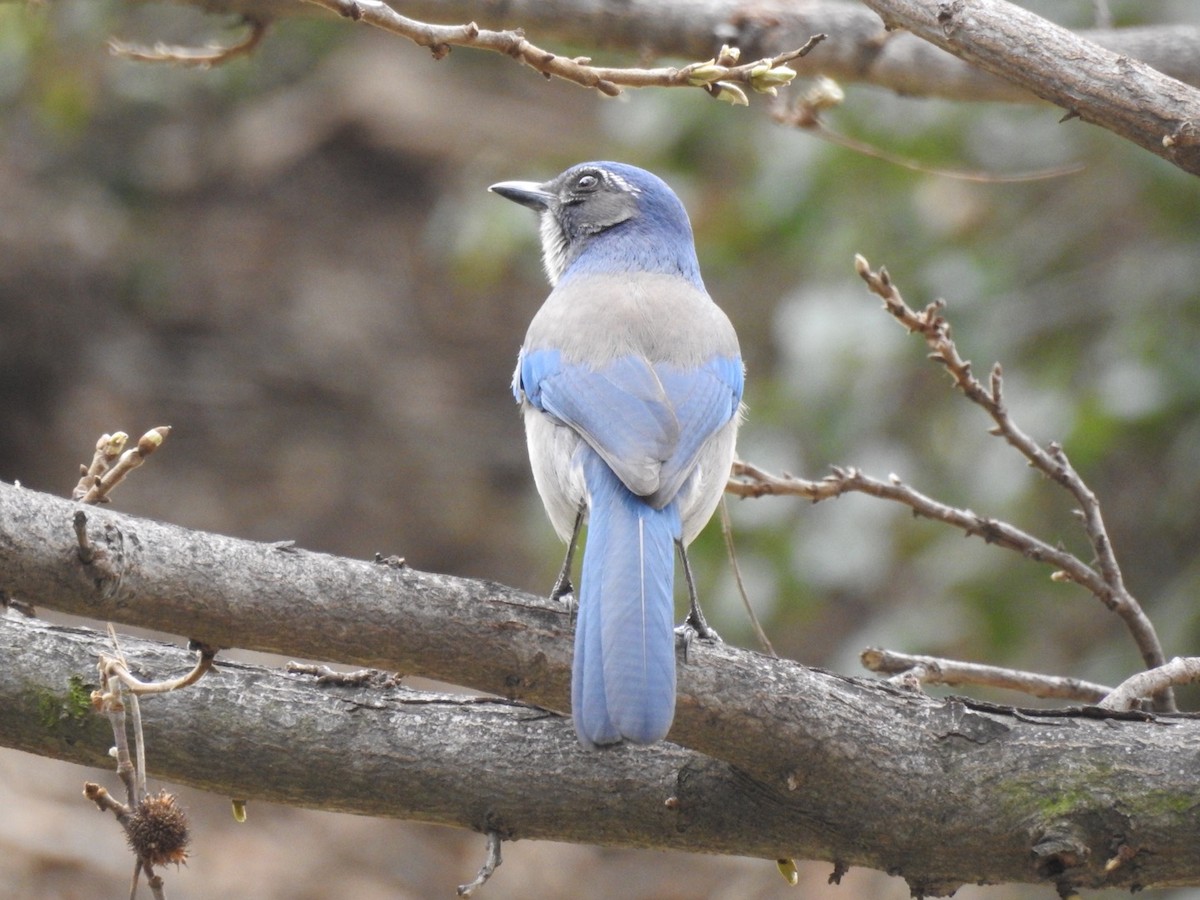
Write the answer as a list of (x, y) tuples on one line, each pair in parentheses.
[(621, 182)]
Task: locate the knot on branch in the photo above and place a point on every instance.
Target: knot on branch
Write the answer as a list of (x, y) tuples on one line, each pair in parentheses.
[(102, 557), (1059, 850)]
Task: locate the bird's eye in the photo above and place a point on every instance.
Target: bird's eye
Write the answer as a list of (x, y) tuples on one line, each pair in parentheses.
[(587, 182)]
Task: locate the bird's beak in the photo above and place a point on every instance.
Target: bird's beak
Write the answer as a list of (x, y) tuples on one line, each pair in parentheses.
[(527, 193)]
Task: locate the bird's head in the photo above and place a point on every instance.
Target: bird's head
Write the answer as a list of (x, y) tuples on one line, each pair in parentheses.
[(608, 217)]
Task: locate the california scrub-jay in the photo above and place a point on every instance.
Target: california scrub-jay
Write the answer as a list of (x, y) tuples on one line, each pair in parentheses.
[(630, 380)]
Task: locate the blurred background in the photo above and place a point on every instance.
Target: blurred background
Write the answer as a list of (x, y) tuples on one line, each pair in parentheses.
[(293, 261)]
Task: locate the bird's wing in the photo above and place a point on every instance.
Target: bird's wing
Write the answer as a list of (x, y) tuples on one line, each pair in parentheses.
[(621, 410), (648, 422), (704, 399)]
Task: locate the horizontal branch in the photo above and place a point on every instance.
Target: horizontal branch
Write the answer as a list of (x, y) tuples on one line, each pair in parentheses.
[(750, 481), (1136, 83), (865, 774), (478, 763), (720, 76), (857, 51), (953, 672)]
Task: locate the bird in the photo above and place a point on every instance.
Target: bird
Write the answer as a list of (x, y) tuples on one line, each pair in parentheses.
[(630, 384)]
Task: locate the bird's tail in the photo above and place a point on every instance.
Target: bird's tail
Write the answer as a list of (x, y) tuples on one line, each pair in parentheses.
[(623, 680)]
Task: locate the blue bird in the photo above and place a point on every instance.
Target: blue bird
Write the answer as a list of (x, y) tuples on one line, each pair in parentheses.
[(630, 382)]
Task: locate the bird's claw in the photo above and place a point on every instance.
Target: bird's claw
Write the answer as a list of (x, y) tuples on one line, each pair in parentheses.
[(564, 593), (689, 632)]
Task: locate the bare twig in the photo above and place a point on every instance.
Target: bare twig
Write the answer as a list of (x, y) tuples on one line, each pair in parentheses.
[(154, 825), (825, 93), (360, 678), (86, 551), (104, 474), (727, 533), (116, 668), (750, 481), (105, 801), (1104, 580), (935, 670), (107, 700), (489, 866), (200, 57), (1128, 694), (722, 76), (135, 715), (108, 448), (1051, 461)]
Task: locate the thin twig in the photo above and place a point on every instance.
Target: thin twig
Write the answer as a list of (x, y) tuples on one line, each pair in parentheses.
[(109, 702), (825, 93), (135, 716), (750, 481), (86, 551), (105, 801), (935, 670), (1130, 692), (139, 744), (115, 668), (489, 866), (727, 533), (108, 448), (199, 57), (155, 826), (375, 678), (104, 484), (720, 76)]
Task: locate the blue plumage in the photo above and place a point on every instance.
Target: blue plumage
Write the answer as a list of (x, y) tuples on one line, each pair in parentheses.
[(623, 683), (630, 380)]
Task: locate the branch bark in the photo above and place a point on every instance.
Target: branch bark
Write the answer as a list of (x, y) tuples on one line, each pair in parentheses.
[(479, 763), (780, 760), (1114, 90)]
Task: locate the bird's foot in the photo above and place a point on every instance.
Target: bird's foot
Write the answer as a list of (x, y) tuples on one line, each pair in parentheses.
[(694, 627), (563, 592)]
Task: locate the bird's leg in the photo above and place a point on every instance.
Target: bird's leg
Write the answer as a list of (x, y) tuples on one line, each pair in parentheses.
[(563, 590), (693, 625)]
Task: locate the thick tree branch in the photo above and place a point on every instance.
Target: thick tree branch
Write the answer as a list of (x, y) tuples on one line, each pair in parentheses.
[(480, 763), (1114, 90), (852, 771)]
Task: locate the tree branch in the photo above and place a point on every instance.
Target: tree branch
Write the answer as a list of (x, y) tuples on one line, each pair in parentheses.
[(1130, 693), (781, 760), (719, 76), (201, 57), (936, 670), (1133, 82), (1108, 584), (858, 50), (473, 762), (1116, 91)]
